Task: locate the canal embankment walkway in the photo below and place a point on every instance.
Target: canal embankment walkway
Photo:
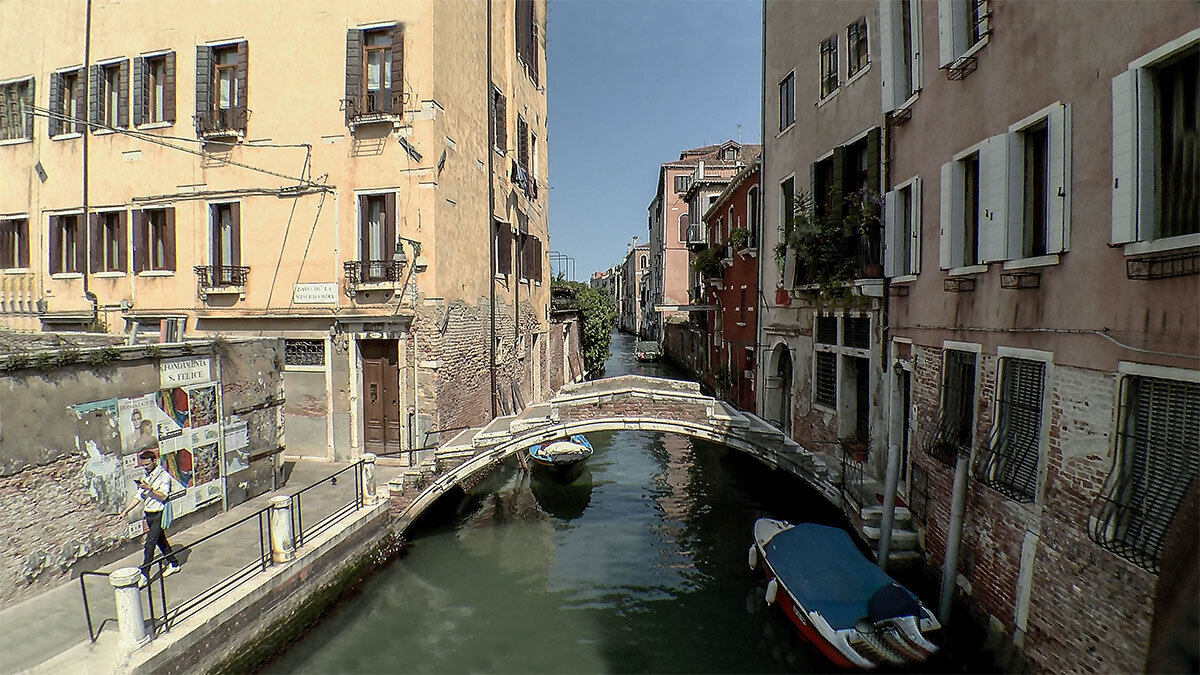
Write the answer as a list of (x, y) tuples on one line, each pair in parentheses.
[(49, 632)]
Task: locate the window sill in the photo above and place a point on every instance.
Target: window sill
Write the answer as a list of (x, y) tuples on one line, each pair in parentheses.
[(111, 274), (157, 273), (16, 141), (18, 270), (965, 271), (156, 125), (1036, 261), (66, 276), (66, 137), (857, 76), (828, 97), (974, 48), (824, 408), (103, 132), (903, 279), (784, 130), (1166, 244)]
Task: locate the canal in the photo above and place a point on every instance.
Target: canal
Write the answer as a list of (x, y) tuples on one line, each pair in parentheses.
[(637, 567)]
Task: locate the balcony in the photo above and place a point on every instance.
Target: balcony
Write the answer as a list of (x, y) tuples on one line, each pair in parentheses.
[(373, 108), (373, 275), (221, 280), (697, 237), (222, 123), (842, 258)]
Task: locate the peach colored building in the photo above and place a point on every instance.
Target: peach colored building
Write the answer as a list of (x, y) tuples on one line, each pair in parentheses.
[(366, 181)]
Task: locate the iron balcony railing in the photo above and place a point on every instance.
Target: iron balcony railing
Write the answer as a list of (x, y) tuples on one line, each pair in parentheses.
[(222, 121), (381, 104), (360, 272), (858, 255), (221, 276), (696, 235)]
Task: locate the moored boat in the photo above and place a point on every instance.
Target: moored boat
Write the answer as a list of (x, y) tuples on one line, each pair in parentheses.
[(647, 350), (848, 608), (562, 460)]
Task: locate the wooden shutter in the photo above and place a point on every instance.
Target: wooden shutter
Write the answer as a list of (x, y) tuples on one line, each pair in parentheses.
[(889, 57), (1124, 158), (522, 144), (8, 245), (503, 235), (948, 227), (1058, 193), (55, 247), (169, 238), (123, 241), (141, 242), (354, 73), (873, 177), (141, 91), (524, 10), (364, 229), (536, 260), (993, 199), (22, 232), (501, 122), (204, 92), (235, 217), (80, 231), (241, 74), (389, 225), (123, 95), (397, 70), (27, 100), (892, 237), (534, 71), (95, 257), (79, 92), (54, 125), (169, 87), (915, 210), (946, 53), (96, 96)]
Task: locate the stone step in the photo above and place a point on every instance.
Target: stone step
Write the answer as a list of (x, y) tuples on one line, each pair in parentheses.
[(902, 540), (873, 516), (904, 559), (497, 430), (463, 439), (532, 417)]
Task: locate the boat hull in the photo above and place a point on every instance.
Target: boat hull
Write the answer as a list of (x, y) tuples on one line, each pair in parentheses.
[(562, 461)]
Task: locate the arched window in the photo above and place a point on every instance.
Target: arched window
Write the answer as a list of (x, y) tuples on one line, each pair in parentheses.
[(642, 262), (752, 215), (683, 226)]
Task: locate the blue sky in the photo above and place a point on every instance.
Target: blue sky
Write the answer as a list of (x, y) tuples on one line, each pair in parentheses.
[(630, 84)]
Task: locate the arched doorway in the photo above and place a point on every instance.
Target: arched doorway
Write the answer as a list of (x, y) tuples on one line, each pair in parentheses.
[(779, 403)]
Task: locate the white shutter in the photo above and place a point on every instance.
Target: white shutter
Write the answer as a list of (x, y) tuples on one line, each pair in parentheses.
[(1016, 193), (914, 245), (892, 238), (993, 199), (1058, 191), (1124, 158), (1147, 167), (946, 53), (948, 227), (889, 20), (918, 75)]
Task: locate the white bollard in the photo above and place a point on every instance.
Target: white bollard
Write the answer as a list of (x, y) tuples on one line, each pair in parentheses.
[(370, 494), (283, 546), (130, 621)]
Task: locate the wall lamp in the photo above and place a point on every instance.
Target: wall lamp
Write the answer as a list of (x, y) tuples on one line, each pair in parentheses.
[(400, 257)]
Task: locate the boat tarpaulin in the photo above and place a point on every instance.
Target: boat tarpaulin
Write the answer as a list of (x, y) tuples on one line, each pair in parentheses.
[(826, 573)]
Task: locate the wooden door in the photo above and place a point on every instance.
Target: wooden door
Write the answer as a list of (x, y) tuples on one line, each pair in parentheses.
[(381, 396)]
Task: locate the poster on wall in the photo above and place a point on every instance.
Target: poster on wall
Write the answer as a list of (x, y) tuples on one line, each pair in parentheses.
[(237, 445)]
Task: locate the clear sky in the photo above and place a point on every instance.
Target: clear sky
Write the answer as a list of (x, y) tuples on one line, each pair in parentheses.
[(631, 83)]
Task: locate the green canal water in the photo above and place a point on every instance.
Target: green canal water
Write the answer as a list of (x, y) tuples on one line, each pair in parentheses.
[(640, 566)]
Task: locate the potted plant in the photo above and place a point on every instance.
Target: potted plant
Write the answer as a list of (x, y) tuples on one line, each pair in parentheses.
[(738, 238), (858, 448)]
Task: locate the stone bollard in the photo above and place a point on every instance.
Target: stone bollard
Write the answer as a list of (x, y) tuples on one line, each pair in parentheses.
[(283, 545), (130, 621), (370, 494), (395, 487)]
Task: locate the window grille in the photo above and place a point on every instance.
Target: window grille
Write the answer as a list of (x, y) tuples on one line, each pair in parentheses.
[(1009, 463), (952, 432), (1156, 460), (825, 375), (304, 352), (827, 330), (856, 332)]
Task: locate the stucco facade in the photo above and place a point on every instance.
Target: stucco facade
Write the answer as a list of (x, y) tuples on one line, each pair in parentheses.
[(285, 189)]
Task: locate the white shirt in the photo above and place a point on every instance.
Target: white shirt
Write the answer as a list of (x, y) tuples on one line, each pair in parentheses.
[(161, 481)]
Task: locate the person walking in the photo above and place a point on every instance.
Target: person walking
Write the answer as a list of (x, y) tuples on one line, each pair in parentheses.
[(153, 491)]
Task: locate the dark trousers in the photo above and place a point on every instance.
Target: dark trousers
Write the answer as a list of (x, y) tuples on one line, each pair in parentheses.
[(155, 538)]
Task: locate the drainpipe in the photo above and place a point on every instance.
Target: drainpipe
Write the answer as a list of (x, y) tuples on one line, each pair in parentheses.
[(491, 273), (958, 507), (760, 375), (892, 479), (87, 254)]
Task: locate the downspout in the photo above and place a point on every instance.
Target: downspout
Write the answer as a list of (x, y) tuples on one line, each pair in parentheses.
[(87, 254), (491, 273), (895, 427), (760, 362), (958, 507)]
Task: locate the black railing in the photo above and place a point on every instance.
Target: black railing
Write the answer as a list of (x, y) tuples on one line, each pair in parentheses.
[(360, 272), (696, 235), (222, 121), (378, 104), (166, 615), (221, 276), (854, 256)]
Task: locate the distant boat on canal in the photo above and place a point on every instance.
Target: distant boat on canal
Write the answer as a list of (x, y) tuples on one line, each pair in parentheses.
[(561, 460), (849, 609), (647, 350)]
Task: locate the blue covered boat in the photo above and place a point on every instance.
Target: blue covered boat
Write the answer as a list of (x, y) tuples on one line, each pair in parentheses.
[(847, 607), (562, 460)]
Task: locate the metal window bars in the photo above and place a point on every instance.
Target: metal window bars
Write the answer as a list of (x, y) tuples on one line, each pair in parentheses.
[(298, 352), (952, 432), (825, 379), (1009, 461), (1155, 461), (856, 332), (827, 330)]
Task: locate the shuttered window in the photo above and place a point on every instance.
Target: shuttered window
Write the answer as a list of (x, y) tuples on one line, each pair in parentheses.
[(107, 236), (787, 101), (954, 429), (527, 32), (222, 88), (110, 95), (1009, 462), (374, 72), (857, 52), (14, 243), (154, 240), (66, 244), (1156, 459), (16, 109), (504, 241), (531, 258), (66, 102), (499, 121), (154, 89), (226, 236), (829, 66), (825, 379)]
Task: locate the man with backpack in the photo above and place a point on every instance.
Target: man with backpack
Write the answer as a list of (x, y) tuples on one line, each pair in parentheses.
[(153, 491)]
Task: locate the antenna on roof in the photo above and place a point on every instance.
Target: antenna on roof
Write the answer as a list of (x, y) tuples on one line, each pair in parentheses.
[(739, 128)]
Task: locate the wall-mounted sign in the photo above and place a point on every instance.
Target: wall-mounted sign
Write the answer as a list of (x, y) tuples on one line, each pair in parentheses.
[(183, 371), (314, 294)]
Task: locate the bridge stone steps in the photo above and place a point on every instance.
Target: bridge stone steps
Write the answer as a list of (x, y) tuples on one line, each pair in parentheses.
[(463, 439), (723, 414), (533, 417), (902, 539), (873, 516), (495, 432)]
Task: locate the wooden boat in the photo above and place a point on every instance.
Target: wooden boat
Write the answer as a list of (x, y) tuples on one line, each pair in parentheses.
[(562, 460), (848, 608), (647, 350)]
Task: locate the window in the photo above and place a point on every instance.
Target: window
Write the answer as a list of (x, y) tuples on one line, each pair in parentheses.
[(66, 244), (376, 236), (66, 102), (899, 51), (826, 188), (969, 224), (154, 89), (225, 237), (829, 66), (954, 431), (962, 206), (110, 92), (1040, 185), (154, 240), (729, 154), (856, 168), (787, 101), (499, 121), (533, 157), (16, 109), (221, 88), (1034, 185), (14, 243), (377, 57), (303, 352), (682, 183), (857, 53), (531, 258), (856, 332), (1155, 460), (752, 217), (684, 223), (902, 229), (523, 144), (504, 241), (1155, 151), (107, 242), (962, 24), (527, 43), (642, 261), (825, 379), (1009, 463), (374, 72)]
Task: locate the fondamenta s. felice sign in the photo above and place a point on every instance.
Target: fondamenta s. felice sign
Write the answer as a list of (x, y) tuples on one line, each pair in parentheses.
[(183, 371), (313, 294)]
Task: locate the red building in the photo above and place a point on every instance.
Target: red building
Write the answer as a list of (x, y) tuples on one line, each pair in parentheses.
[(729, 269)]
